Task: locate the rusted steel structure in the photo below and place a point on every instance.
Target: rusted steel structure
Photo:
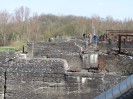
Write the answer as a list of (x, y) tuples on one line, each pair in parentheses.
[(114, 34), (120, 41), (121, 36)]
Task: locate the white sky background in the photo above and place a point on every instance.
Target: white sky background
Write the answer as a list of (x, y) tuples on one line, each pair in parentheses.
[(118, 9)]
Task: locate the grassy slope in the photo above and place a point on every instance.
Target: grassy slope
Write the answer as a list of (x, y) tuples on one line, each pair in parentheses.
[(16, 46), (8, 48)]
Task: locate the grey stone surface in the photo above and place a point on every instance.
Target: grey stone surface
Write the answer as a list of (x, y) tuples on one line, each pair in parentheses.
[(66, 49), (41, 75), (26, 75), (120, 64), (2, 80)]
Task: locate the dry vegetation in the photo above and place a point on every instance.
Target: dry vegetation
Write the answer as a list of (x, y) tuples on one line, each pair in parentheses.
[(22, 26)]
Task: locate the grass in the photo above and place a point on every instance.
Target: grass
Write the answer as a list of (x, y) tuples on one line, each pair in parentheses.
[(8, 48), (15, 46)]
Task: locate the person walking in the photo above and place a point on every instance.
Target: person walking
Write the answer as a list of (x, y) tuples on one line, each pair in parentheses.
[(95, 40)]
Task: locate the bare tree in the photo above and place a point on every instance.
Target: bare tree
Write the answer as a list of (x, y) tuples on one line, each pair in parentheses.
[(4, 19), (22, 20)]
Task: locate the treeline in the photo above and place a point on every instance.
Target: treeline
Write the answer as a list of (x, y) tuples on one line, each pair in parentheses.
[(22, 26)]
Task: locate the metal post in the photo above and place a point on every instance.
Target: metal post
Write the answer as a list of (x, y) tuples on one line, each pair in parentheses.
[(23, 49)]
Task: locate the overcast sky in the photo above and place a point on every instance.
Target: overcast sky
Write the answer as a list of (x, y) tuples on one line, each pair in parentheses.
[(118, 9)]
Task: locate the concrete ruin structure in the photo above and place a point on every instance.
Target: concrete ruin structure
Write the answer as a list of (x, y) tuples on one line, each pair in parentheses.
[(61, 69)]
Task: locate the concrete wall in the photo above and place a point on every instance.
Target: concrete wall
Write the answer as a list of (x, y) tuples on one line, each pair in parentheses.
[(2, 81), (64, 50), (42, 49), (26, 76), (73, 60)]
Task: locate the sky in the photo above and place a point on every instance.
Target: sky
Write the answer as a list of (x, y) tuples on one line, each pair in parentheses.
[(118, 9)]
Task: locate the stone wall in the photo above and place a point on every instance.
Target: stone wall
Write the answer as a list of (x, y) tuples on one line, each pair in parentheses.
[(2, 81), (4, 58), (41, 75), (67, 50), (74, 60), (43, 49), (23, 77)]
